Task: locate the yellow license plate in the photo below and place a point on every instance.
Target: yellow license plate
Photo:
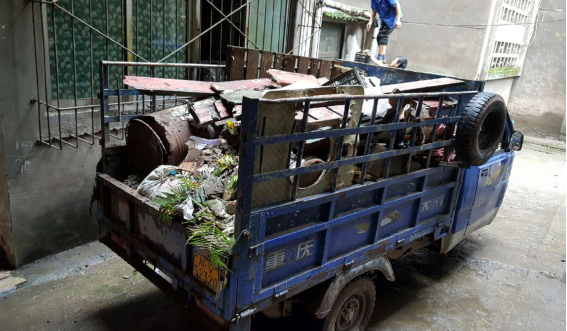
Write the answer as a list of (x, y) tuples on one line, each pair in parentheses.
[(204, 270)]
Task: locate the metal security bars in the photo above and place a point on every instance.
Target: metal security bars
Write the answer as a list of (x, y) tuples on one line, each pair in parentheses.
[(72, 36)]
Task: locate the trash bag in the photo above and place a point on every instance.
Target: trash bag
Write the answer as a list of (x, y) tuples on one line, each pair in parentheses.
[(160, 181)]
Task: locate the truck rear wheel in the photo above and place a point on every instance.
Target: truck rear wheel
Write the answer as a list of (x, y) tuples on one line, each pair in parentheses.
[(480, 128), (353, 307)]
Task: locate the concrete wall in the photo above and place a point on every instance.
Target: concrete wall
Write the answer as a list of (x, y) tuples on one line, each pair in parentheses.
[(454, 51), (355, 35), (500, 86), (7, 257), (364, 4), (537, 102), (49, 190)]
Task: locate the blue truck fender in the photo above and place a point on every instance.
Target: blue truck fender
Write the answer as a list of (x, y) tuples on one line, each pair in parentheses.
[(380, 263)]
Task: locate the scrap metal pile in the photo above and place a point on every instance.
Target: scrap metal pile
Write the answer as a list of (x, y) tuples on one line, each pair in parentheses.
[(188, 155)]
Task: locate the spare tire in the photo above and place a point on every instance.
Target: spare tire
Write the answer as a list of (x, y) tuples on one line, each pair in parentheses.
[(480, 128)]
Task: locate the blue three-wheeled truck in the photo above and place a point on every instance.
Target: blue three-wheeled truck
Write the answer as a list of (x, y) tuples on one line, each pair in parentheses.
[(316, 248)]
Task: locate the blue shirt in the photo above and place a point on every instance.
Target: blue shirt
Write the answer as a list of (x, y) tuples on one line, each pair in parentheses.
[(386, 9)]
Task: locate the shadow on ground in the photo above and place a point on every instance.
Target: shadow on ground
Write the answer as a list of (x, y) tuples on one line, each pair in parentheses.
[(159, 312)]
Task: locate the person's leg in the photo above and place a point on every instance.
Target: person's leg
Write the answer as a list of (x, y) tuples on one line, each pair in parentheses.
[(383, 36)]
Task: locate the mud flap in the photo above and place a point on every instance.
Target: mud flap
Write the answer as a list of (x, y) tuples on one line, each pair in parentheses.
[(380, 263)]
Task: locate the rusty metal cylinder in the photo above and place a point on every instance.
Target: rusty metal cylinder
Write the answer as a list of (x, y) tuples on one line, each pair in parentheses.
[(170, 129)]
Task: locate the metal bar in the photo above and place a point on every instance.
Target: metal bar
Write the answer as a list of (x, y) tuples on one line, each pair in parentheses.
[(163, 40), (344, 162), (110, 104), (369, 141), (45, 79), (234, 25), (434, 132), (341, 142), (176, 37), (161, 64), (76, 145), (207, 30), (356, 138), (349, 131), (343, 97), (37, 84), (454, 110), (290, 146), (350, 191), (56, 55), (414, 132), (393, 135), (287, 237), (119, 112), (153, 74), (299, 155), (151, 39), (262, 147)]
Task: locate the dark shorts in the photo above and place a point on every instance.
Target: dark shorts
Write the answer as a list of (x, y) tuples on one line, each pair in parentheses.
[(384, 33)]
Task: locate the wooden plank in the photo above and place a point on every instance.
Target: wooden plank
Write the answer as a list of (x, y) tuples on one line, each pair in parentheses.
[(325, 69), (252, 64), (314, 67), (289, 63), (222, 110), (165, 86), (427, 84), (266, 64), (236, 69), (302, 65), (278, 61)]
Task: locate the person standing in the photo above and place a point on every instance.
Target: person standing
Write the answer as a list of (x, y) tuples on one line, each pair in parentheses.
[(390, 13)]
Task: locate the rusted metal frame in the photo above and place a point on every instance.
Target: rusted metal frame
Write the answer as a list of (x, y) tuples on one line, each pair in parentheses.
[(40, 140), (340, 146), (90, 26), (207, 30), (393, 134), (299, 155), (434, 133), (369, 140), (414, 132), (231, 23)]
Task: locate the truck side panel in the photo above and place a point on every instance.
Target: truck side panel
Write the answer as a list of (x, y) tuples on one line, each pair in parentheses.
[(480, 198)]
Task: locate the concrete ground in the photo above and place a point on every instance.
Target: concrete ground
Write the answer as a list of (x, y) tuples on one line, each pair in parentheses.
[(509, 275)]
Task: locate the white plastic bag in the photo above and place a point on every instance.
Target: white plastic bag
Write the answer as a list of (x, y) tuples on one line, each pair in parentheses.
[(160, 181), (188, 209)]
